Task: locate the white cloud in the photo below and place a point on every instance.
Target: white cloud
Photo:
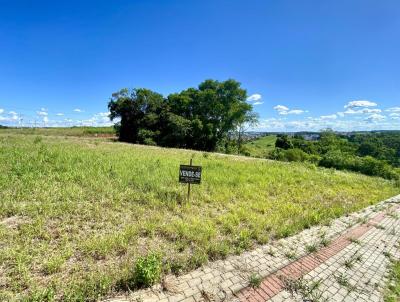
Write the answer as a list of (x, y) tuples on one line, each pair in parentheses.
[(45, 119), (59, 114), (295, 111), (351, 111), (254, 97), (359, 104), (328, 117), (1, 110), (257, 103), (393, 109), (78, 110), (283, 110), (42, 113), (375, 117), (368, 110), (104, 114), (14, 115)]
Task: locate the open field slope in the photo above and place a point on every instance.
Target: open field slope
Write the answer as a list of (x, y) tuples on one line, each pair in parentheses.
[(65, 131), (260, 147), (76, 213)]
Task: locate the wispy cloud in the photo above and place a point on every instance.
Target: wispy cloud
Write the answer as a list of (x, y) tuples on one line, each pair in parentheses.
[(328, 117), (1, 110), (283, 110), (393, 109), (42, 112), (375, 118), (59, 114), (360, 104), (255, 99), (78, 110)]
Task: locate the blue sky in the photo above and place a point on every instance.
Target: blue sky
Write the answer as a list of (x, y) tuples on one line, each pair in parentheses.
[(306, 65)]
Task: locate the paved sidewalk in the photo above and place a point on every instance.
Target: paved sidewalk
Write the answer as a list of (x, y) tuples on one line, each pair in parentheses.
[(346, 261)]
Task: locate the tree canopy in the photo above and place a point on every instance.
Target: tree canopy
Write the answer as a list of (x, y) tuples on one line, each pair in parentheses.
[(197, 118)]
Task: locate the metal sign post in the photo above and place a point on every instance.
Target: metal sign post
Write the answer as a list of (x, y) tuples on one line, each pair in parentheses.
[(190, 174)]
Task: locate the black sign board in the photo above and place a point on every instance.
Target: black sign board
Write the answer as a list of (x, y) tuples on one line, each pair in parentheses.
[(190, 174)]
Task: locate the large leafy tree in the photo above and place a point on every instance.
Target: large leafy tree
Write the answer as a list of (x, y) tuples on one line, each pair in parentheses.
[(213, 110), (140, 112), (197, 118)]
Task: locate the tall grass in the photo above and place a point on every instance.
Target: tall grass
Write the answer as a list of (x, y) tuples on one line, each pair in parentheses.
[(63, 131), (76, 213)]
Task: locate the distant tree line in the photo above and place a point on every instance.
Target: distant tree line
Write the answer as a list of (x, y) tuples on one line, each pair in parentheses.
[(369, 153), (206, 118)]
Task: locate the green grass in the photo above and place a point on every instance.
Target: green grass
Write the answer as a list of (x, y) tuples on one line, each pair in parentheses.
[(262, 146), (393, 291), (77, 215), (63, 131)]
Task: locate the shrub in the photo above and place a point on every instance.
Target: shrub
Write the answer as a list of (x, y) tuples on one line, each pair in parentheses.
[(366, 165), (147, 270)]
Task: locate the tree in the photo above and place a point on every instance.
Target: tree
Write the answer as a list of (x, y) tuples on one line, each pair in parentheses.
[(197, 118), (283, 142), (213, 111), (140, 112)]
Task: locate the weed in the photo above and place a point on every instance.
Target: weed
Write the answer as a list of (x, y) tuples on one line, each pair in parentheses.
[(354, 240), (311, 248), (291, 255), (271, 252), (325, 241), (147, 270), (380, 227), (387, 255), (342, 280), (308, 291), (255, 280), (362, 220)]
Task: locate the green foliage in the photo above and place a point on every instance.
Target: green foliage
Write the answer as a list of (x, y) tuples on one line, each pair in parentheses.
[(255, 280), (283, 142), (194, 118), (147, 270), (392, 293), (375, 154)]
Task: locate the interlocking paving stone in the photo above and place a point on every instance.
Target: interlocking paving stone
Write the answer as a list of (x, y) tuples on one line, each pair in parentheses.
[(362, 280)]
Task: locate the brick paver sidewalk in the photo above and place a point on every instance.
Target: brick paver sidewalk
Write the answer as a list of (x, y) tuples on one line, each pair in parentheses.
[(345, 261)]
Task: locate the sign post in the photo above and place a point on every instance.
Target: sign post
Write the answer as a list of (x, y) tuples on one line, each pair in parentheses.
[(190, 174)]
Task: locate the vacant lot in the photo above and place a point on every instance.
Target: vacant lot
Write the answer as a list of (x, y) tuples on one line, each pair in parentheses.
[(75, 213), (260, 147), (65, 131)]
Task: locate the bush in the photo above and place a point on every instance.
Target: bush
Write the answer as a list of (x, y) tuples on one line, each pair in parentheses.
[(295, 154), (147, 270), (366, 165)]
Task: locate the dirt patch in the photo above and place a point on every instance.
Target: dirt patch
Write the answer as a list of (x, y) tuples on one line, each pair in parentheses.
[(14, 222)]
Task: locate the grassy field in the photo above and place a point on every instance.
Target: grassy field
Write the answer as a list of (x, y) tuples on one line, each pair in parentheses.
[(63, 131), (262, 146), (393, 291), (76, 213)]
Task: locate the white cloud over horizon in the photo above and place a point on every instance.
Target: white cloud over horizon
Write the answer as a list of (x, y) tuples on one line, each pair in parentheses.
[(283, 110)]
